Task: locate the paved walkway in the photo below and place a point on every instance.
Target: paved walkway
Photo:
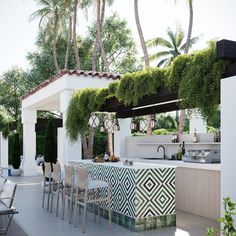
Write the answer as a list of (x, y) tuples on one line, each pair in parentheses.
[(32, 220)]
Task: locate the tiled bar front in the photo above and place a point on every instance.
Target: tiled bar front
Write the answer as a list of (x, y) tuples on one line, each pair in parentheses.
[(143, 196)]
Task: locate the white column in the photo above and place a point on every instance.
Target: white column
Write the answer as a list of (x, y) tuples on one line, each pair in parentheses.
[(4, 153), (69, 150), (197, 122), (29, 119), (228, 138), (120, 137)]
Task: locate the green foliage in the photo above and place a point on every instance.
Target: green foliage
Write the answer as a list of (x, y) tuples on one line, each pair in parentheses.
[(214, 120), (161, 132), (134, 86), (177, 70), (197, 76), (50, 145), (100, 144), (227, 221), (5, 120), (82, 104), (166, 122), (12, 86), (15, 155)]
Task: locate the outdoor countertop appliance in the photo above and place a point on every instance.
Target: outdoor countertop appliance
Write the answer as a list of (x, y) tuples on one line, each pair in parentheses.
[(205, 156)]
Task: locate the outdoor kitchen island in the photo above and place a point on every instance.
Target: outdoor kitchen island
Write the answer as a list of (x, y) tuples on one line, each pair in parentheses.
[(143, 195)]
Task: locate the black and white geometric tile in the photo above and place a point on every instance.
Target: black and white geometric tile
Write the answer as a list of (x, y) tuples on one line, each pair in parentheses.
[(137, 193)]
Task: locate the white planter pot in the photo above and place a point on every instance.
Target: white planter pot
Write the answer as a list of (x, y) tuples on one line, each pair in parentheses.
[(16, 172)]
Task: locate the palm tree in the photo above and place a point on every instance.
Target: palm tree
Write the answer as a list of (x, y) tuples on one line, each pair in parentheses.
[(51, 12), (99, 37), (140, 33), (145, 52), (173, 46), (190, 26), (95, 47)]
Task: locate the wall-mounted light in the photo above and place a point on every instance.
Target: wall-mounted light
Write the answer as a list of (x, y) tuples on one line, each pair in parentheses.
[(133, 124)]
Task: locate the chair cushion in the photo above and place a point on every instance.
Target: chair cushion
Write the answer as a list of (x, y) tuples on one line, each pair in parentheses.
[(93, 184)]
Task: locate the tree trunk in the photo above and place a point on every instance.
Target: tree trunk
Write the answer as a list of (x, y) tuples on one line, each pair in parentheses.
[(68, 44), (90, 142), (145, 54), (103, 53), (140, 33), (55, 29), (190, 26), (77, 60), (95, 47), (85, 146)]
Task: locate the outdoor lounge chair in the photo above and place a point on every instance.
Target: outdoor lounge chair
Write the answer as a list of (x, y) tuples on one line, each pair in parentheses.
[(6, 209)]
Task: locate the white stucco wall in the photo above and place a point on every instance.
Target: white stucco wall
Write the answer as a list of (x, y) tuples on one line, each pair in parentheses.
[(228, 138), (197, 122)]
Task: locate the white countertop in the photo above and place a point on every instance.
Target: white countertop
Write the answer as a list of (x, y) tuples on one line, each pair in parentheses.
[(136, 164), (178, 164), (139, 163)]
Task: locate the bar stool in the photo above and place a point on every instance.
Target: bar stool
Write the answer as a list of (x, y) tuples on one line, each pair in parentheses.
[(89, 191), (57, 187), (68, 191), (47, 185)]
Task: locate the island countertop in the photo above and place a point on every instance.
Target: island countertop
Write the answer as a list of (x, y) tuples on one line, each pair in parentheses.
[(212, 166), (136, 164)]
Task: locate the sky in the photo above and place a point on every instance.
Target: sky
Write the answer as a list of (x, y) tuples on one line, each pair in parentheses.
[(212, 19)]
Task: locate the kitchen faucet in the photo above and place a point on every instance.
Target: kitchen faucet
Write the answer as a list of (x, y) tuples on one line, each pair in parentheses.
[(164, 151)]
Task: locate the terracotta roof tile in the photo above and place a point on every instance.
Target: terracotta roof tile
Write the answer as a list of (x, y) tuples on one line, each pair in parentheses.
[(71, 72)]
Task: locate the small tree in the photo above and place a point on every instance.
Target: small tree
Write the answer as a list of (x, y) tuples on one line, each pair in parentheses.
[(15, 155), (50, 145)]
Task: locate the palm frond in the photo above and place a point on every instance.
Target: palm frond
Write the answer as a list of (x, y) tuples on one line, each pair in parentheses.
[(179, 36), (158, 42), (191, 43), (172, 37), (158, 55), (164, 62)]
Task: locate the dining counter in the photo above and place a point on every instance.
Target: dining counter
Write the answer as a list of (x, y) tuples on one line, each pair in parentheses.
[(143, 195)]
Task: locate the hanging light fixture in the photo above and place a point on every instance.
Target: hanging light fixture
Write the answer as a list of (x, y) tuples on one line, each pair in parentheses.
[(143, 125), (93, 121), (153, 121), (102, 126), (133, 124), (116, 126)]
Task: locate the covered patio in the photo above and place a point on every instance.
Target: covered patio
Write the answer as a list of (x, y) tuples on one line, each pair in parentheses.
[(54, 95)]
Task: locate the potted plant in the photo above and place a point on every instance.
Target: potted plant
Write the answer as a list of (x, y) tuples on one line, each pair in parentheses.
[(50, 145), (15, 156)]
